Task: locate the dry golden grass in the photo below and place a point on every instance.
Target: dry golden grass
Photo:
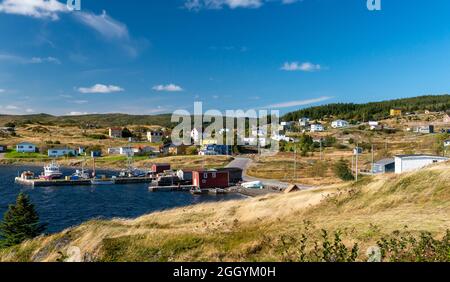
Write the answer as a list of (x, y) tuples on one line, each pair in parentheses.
[(251, 229)]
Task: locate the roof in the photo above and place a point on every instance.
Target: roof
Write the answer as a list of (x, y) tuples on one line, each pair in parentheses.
[(418, 156), (162, 164), (26, 143), (385, 161)]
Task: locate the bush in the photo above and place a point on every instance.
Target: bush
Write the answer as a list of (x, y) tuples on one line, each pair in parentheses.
[(192, 150), (342, 171)]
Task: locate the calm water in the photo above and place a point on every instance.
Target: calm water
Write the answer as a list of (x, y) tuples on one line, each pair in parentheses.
[(62, 207)]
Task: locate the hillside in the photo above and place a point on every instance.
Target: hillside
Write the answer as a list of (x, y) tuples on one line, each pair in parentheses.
[(267, 228), (95, 120), (373, 110)]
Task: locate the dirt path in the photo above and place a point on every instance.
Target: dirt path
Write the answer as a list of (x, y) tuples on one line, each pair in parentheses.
[(244, 163)]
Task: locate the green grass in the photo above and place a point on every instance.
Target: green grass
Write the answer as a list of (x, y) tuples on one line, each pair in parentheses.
[(12, 154)]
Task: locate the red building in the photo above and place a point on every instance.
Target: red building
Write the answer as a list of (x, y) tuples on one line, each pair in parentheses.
[(160, 168), (210, 179)]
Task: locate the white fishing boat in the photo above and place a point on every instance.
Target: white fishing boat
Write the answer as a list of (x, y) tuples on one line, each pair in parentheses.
[(52, 171)]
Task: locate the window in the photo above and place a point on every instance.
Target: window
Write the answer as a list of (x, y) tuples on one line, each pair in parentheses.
[(205, 175), (213, 175), (435, 161)]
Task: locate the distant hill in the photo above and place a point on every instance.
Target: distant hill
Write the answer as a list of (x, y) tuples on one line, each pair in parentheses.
[(373, 110), (101, 120)]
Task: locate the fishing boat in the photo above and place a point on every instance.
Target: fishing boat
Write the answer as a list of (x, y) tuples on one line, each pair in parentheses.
[(26, 175), (131, 170), (80, 174), (52, 171)]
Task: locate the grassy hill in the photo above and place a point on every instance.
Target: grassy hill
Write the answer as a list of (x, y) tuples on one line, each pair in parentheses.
[(99, 120), (391, 210), (373, 110)]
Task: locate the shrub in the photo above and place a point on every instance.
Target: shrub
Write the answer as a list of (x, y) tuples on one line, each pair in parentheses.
[(342, 171)]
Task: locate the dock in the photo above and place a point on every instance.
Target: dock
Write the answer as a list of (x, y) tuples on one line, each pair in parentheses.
[(82, 182), (182, 188)]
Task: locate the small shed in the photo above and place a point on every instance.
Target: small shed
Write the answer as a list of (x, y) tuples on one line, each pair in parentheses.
[(160, 168), (210, 179), (3, 148), (292, 188), (235, 174)]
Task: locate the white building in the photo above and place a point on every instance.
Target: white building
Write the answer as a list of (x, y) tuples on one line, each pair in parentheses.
[(406, 163), (447, 143), (253, 141), (304, 122), (339, 123), (259, 132), (125, 151), (61, 152), (195, 134), (26, 147), (155, 136), (317, 128), (277, 137)]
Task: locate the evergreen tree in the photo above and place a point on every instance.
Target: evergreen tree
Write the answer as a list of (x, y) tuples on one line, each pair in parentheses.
[(20, 223), (342, 171)]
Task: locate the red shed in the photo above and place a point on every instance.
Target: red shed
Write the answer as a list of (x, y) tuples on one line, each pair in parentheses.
[(210, 179), (160, 168)]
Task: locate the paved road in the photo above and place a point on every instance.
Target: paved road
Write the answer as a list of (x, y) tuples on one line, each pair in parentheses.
[(244, 163)]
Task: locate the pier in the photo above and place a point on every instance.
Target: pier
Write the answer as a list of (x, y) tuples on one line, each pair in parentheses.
[(82, 182)]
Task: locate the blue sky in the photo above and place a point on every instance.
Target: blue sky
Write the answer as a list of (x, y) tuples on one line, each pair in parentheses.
[(151, 57)]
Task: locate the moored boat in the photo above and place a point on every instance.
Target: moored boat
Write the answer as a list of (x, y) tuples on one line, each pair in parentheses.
[(52, 171)]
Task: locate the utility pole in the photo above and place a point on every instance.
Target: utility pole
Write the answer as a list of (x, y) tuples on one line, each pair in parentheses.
[(321, 149), (295, 163), (373, 161), (356, 162)]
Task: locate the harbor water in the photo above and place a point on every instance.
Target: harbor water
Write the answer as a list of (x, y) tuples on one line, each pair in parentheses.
[(63, 207)]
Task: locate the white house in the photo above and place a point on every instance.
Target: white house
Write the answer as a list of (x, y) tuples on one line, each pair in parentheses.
[(406, 163), (61, 152), (447, 143), (277, 137), (259, 132), (195, 134), (304, 122), (339, 123), (155, 136), (26, 147), (317, 128), (125, 151), (253, 141)]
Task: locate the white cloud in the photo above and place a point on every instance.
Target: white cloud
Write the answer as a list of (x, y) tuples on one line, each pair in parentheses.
[(41, 9), (29, 111), (100, 89), (168, 88), (299, 103), (21, 60), (112, 30), (38, 60), (232, 4), (105, 25), (296, 66), (2, 90), (81, 102), (11, 107), (77, 114)]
